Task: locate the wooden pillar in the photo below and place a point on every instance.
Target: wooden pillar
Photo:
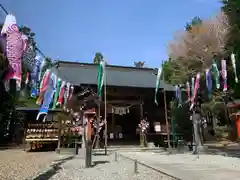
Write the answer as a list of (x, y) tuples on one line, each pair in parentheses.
[(88, 156), (142, 138), (97, 145), (166, 119), (141, 111), (113, 122), (84, 131), (59, 133), (25, 132)]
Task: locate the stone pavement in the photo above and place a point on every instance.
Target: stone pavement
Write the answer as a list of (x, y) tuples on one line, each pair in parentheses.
[(189, 167), (226, 148), (104, 168)]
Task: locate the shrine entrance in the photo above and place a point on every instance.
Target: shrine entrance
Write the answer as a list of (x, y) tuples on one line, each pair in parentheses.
[(124, 113), (123, 119)]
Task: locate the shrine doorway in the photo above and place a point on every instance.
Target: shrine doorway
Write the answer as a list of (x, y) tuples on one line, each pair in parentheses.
[(123, 120)]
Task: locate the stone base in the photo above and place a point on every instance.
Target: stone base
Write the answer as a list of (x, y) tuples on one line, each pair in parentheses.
[(169, 150), (57, 150), (201, 150), (150, 145), (88, 155), (105, 150)]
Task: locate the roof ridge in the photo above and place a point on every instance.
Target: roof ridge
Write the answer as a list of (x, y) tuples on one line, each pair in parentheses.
[(108, 65)]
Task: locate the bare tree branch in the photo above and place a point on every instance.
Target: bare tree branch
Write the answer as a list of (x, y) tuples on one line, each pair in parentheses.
[(192, 51)]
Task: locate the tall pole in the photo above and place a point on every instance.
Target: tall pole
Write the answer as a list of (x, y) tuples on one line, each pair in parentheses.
[(96, 140), (197, 114), (166, 116), (105, 109)]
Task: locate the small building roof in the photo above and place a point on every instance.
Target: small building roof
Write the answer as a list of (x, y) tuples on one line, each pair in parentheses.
[(234, 104), (86, 73)]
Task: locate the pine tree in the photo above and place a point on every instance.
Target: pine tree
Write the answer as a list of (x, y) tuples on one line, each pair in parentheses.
[(98, 58), (232, 9)]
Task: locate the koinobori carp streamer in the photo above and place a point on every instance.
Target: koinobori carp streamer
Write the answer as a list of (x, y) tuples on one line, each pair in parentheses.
[(209, 82), (41, 73), (61, 94), (224, 74), (216, 74), (178, 95), (192, 86), (234, 67), (57, 93), (66, 95), (188, 91), (34, 76), (157, 84), (196, 87), (43, 86), (48, 97), (15, 46)]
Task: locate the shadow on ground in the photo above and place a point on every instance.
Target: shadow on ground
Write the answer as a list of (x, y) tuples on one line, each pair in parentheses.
[(225, 151), (95, 163), (54, 168), (99, 154), (4, 148), (10, 146)]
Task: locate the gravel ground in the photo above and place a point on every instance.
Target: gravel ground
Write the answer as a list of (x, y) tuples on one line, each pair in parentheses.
[(105, 168), (15, 164)]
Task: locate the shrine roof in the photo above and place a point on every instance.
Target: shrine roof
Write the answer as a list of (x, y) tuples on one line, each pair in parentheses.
[(86, 74), (36, 109)]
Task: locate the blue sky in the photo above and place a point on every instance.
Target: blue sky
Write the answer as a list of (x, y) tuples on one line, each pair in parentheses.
[(123, 30)]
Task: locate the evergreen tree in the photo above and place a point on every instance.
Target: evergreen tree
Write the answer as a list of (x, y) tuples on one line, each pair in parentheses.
[(98, 58), (232, 9), (194, 22), (139, 64)]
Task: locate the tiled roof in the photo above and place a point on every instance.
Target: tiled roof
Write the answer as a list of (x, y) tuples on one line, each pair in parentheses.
[(84, 73)]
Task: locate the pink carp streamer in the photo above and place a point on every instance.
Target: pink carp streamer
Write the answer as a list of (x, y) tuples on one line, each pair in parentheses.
[(43, 86), (196, 87), (188, 91), (61, 94), (224, 74), (14, 50)]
